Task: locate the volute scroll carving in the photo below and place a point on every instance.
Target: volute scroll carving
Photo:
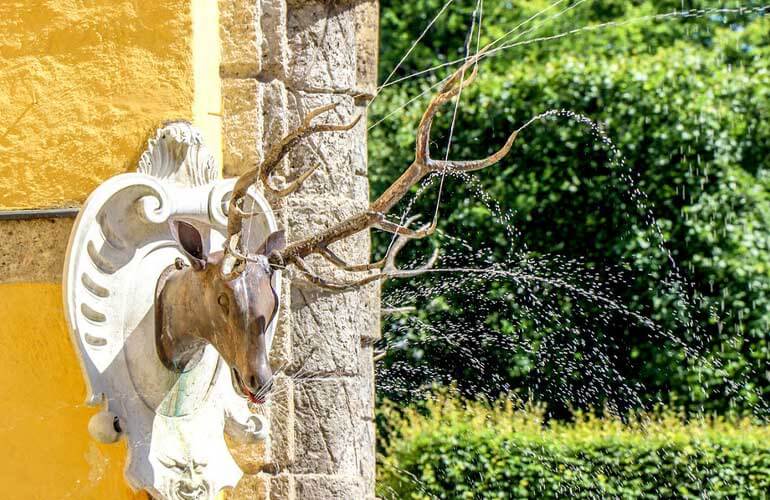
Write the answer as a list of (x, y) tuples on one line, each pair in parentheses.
[(126, 236)]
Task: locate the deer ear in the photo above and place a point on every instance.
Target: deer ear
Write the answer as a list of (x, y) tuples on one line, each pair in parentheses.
[(191, 241), (276, 241)]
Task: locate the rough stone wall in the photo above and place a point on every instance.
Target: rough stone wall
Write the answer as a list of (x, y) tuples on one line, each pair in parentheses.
[(281, 58)]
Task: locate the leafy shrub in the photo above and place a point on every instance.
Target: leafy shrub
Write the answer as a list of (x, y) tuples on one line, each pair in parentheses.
[(474, 450), (686, 102)]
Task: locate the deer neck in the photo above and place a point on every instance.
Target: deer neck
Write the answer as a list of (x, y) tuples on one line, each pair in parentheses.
[(181, 321)]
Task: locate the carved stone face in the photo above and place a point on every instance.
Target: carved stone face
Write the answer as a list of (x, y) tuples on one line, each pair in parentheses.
[(199, 304), (190, 483)]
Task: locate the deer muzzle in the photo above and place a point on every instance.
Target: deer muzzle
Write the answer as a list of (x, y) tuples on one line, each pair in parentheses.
[(253, 377)]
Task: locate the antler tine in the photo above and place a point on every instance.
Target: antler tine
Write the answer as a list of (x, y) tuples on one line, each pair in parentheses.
[(330, 256), (471, 165), (397, 272), (456, 82), (293, 186), (387, 264), (451, 88), (410, 234), (328, 284), (374, 216), (392, 270), (272, 159), (402, 230), (334, 285), (277, 152)]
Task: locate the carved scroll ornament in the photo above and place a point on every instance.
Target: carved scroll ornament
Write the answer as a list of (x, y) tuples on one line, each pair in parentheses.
[(123, 238)]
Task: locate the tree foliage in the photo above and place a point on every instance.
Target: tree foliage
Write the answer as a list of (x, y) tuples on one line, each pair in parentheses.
[(674, 224)]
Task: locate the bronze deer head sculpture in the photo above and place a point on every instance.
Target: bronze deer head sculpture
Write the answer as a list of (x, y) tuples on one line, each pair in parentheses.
[(226, 298), (204, 302)]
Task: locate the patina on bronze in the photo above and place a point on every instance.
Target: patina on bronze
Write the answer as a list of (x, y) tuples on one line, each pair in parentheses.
[(205, 303)]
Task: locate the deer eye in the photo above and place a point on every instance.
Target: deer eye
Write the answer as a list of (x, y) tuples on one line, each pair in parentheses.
[(224, 302)]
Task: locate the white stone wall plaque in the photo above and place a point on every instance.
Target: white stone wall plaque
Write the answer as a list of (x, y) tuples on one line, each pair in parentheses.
[(122, 240)]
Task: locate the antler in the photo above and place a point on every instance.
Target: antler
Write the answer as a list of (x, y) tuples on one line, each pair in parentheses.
[(375, 216), (387, 265), (262, 172)]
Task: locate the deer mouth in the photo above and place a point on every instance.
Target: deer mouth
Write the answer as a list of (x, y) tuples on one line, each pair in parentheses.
[(243, 391)]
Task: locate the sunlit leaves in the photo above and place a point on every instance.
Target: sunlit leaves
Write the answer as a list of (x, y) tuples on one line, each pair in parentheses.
[(687, 102)]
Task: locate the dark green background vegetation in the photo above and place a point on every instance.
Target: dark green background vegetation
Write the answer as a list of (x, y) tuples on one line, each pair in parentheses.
[(686, 100), (687, 103)]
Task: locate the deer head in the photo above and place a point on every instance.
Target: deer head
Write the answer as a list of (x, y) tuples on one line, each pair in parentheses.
[(226, 299), (205, 302)]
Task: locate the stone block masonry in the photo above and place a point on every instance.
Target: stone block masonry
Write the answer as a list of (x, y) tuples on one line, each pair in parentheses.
[(281, 58)]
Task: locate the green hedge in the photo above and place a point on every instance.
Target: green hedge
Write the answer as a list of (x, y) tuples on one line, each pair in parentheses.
[(448, 449)]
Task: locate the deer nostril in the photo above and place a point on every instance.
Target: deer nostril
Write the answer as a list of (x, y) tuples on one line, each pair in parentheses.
[(257, 386)]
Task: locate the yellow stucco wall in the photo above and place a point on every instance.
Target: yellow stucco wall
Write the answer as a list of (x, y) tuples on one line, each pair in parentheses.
[(83, 83), (47, 452)]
